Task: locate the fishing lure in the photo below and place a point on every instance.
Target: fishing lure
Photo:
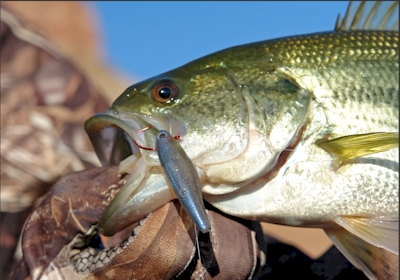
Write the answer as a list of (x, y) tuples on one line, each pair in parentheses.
[(182, 175)]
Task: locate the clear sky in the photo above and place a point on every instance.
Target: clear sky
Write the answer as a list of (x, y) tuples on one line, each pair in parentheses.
[(145, 39)]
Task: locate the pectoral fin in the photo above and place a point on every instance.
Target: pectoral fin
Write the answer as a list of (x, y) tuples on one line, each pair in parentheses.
[(358, 145), (371, 245)]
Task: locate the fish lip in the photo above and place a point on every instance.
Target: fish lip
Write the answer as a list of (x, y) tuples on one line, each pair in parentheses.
[(113, 137), (121, 237), (113, 134)]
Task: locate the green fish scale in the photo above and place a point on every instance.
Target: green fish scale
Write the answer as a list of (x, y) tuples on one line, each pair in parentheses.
[(353, 68), (345, 71), (210, 104), (332, 48)]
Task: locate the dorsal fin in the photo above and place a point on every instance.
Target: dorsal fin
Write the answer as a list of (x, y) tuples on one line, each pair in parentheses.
[(370, 15)]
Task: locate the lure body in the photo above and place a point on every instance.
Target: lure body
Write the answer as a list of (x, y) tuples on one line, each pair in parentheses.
[(183, 178)]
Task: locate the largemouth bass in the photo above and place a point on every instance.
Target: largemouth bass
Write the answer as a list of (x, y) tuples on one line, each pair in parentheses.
[(300, 131)]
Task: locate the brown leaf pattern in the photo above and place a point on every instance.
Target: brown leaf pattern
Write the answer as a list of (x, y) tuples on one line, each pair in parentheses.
[(44, 102), (161, 246)]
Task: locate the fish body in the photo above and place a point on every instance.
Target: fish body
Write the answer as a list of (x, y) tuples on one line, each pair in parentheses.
[(260, 123)]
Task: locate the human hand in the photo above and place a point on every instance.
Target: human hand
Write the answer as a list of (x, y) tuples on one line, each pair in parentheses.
[(60, 239)]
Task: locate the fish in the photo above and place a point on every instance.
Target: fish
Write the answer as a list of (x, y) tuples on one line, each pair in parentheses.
[(299, 131)]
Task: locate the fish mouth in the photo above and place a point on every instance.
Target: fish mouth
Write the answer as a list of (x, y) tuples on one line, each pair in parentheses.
[(111, 142), (115, 135)]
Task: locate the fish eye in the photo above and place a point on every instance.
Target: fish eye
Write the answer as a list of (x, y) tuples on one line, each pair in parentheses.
[(164, 91)]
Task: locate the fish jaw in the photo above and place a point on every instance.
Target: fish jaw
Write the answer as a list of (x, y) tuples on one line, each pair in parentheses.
[(150, 192), (113, 135), (147, 188)]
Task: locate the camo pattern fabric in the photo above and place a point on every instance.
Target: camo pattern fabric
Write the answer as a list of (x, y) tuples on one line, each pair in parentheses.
[(44, 102), (59, 241)]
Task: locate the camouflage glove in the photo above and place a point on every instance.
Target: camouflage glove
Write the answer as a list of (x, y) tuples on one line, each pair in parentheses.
[(44, 102), (60, 240)]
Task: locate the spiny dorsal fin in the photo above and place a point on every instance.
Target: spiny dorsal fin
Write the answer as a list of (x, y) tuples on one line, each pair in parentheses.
[(359, 145), (370, 15)]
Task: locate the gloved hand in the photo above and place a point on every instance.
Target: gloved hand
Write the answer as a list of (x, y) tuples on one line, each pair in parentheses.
[(44, 102), (60, 240)]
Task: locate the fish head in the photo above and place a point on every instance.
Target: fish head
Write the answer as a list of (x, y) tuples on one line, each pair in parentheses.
[(233, 123)]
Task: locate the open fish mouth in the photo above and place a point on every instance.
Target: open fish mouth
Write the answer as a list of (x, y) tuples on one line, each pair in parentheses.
[(113, 135), (111, 138)]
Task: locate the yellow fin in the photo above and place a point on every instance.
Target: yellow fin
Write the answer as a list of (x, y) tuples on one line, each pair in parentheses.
[(358, 145)]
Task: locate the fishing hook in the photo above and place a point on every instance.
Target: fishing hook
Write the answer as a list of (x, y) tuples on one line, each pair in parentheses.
[(176, 137)]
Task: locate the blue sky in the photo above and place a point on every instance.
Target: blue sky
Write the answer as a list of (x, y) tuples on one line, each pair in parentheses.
[(144, 39)]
